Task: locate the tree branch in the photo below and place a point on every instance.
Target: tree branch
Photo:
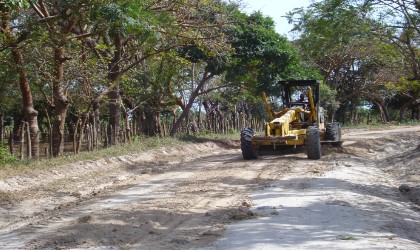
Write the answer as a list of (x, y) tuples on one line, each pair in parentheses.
[(216, 88)]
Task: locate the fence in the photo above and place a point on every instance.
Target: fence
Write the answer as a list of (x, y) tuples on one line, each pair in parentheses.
[(90, 140)]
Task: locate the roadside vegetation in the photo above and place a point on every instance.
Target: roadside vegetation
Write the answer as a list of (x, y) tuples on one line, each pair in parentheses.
[(11, 165)]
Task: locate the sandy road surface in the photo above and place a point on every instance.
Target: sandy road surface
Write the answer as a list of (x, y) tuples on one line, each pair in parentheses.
[(206, 196), (355, 205)]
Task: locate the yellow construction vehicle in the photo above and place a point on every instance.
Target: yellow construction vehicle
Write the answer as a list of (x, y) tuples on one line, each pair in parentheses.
[(298, 123)]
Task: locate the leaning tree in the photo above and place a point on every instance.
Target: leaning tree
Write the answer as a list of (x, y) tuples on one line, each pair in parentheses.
[(14, 37)]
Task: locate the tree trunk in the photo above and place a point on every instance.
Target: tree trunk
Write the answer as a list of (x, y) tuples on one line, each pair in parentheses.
[(114, 73), (246, 110), (194, 94), (2, 126), (114, 116), (386, 112), (81, 132), (233, 117), (416, 113), (96, 124), (404, 108), (383, 109), (71, 119), (60, 104), (75, 134), (138, 117), (17, 121), (29, 112), (152, 124), (206, 104)]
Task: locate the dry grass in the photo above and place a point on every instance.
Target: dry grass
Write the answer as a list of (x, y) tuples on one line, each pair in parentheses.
[(6, 197)]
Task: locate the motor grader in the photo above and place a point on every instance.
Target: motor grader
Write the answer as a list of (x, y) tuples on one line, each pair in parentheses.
[(298, 123)]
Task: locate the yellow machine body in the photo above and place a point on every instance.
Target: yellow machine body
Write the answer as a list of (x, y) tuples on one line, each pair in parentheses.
[(288, 126), (296, 123)]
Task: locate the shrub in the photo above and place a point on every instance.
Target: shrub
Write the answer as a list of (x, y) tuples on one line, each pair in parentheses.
[(5, 156)]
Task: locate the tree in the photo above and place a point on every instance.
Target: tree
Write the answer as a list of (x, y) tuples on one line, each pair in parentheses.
[(402, 31), (135, 32), (154, 89), (336, 35), (8, 93), (258, 58), (262, 57), (12, 39), (60, 22)]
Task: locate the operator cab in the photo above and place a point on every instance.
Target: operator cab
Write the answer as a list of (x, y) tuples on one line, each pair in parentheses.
[(293, 88)]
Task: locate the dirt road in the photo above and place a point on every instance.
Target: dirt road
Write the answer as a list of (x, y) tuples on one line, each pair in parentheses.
[(206, 196)]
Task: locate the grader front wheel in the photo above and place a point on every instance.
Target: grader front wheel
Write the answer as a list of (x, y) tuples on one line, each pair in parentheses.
[(246, 144)]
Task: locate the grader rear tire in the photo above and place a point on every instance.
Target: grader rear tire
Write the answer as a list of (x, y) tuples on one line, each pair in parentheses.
[(246, 144), (313, 143), (333, 132)]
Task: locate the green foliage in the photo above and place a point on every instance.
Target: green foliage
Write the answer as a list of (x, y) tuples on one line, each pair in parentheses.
[(405, 85), (133, 19), (5, 156), (153, 88), (262, 56), (192, 53), (329, 24), (205, 131), (331, 33), (328, 99), (14, 4), (341, 38), (233, 131), (135, 138), (9, 96)]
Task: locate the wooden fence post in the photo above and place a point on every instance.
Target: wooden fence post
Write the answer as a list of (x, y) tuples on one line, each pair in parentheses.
[(2, 129), (22, 140), (75, 134), (29, 145), (11, 142), (89, 137), (49, 134)]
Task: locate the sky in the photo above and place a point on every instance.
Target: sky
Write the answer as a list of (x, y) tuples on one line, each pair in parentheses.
[(276, 9)]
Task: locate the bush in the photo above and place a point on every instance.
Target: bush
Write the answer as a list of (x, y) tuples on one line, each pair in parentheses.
[(5, 156), (232, 131)]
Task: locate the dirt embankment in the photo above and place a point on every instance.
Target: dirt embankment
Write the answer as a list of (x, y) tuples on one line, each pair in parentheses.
[(395, 152), (184, 196)]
